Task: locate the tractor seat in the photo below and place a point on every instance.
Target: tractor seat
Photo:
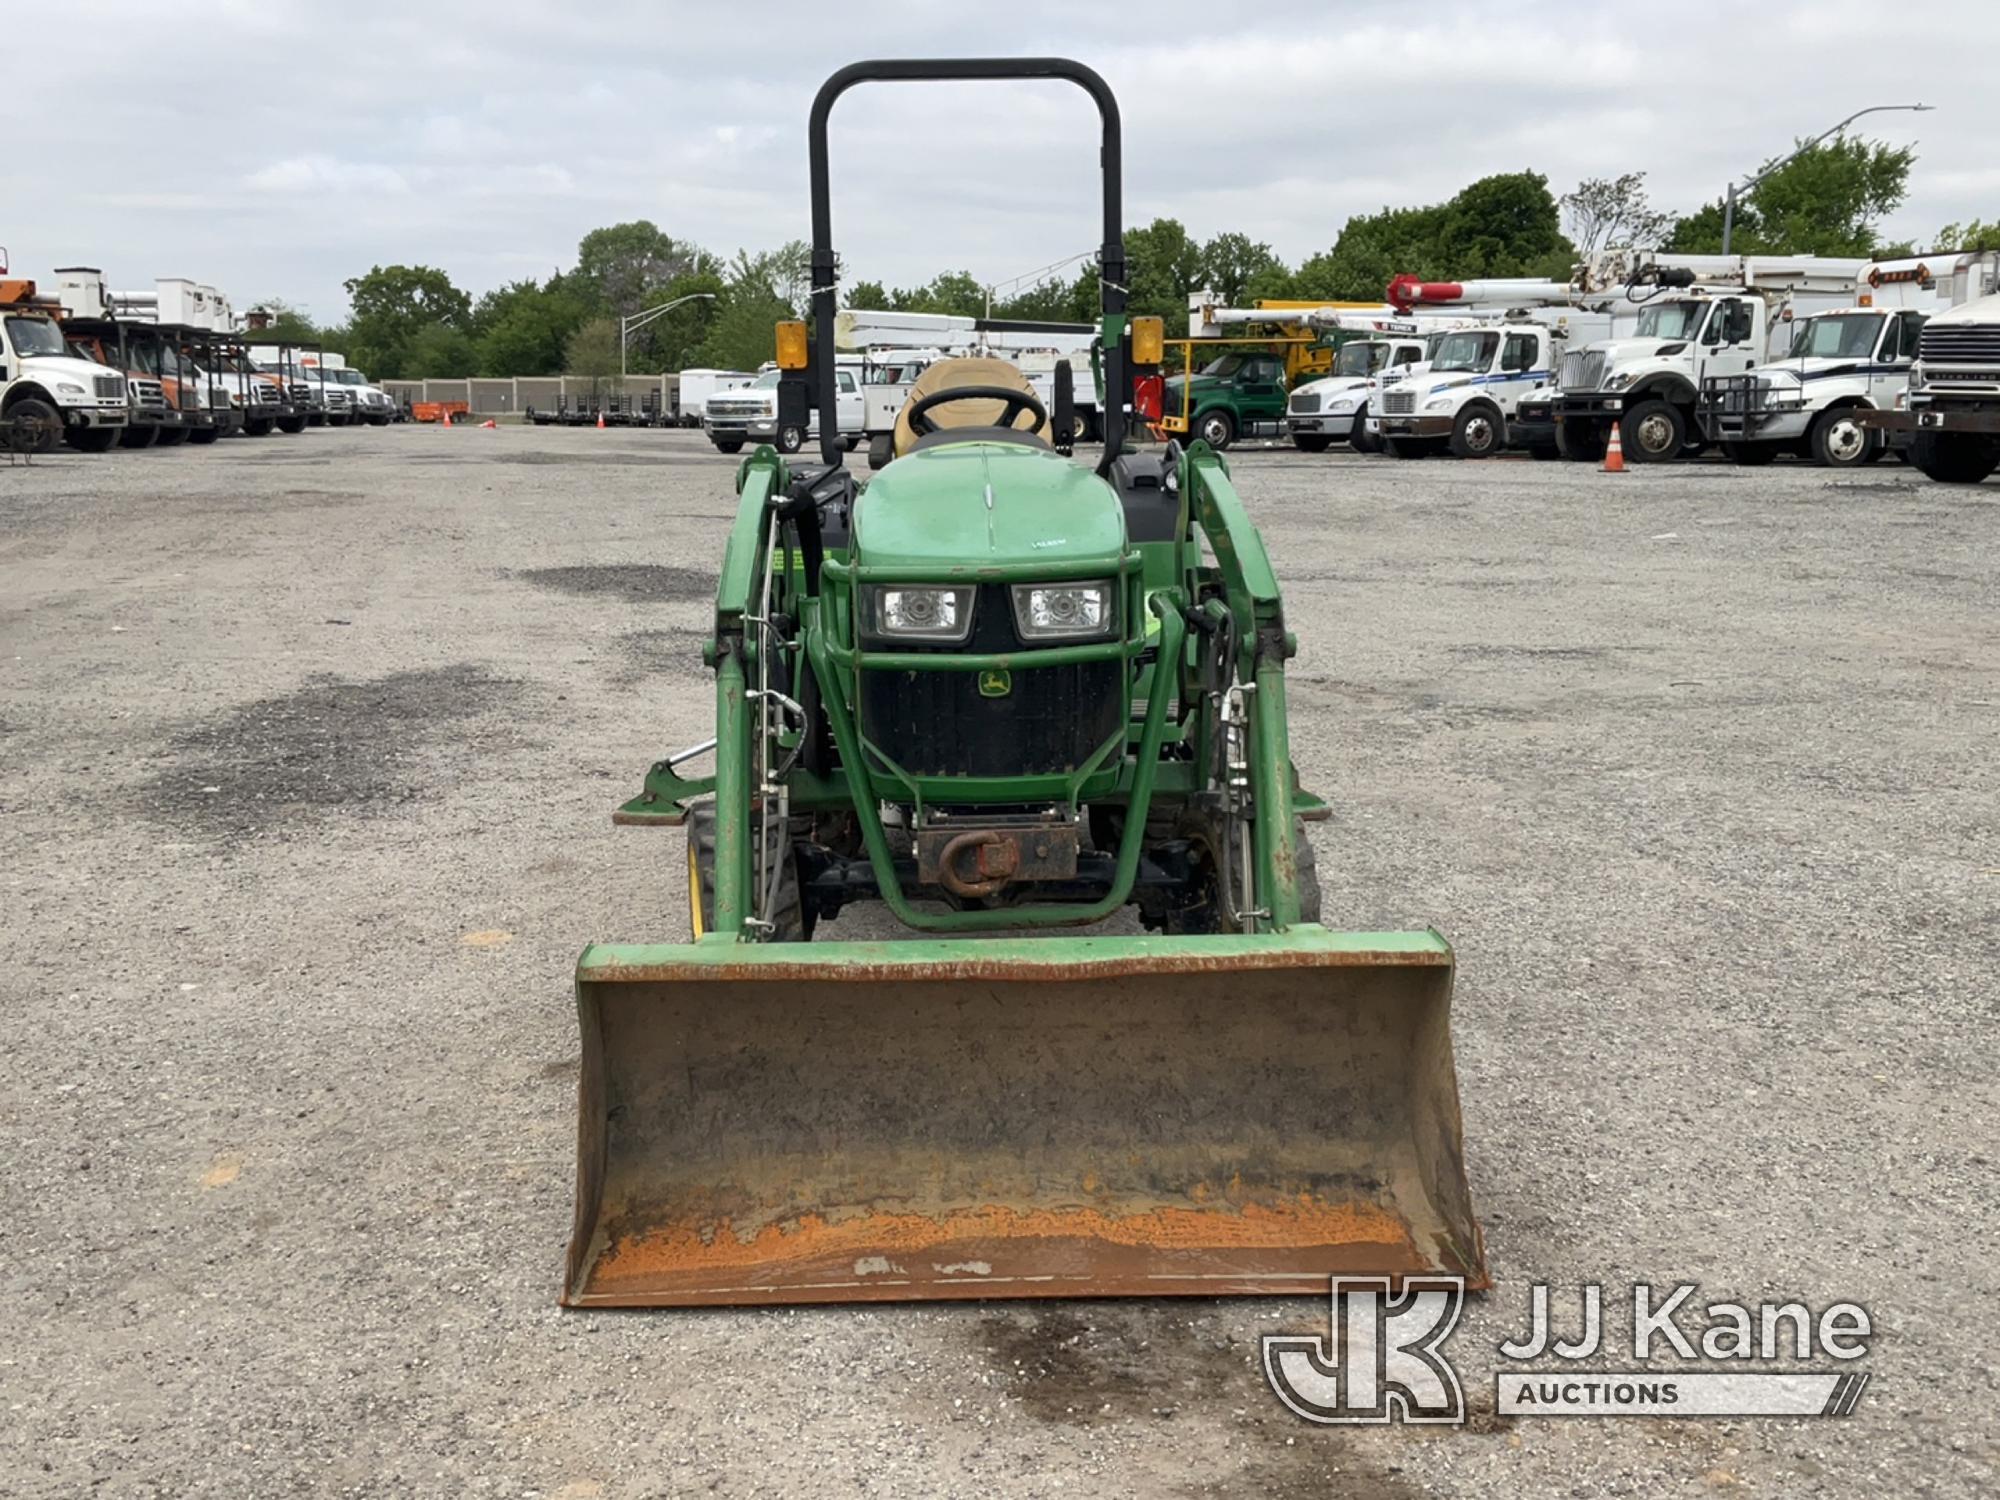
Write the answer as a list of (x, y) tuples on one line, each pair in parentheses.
[(976, 417)]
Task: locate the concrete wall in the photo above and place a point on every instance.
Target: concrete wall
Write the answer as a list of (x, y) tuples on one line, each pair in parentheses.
[(504, 397)]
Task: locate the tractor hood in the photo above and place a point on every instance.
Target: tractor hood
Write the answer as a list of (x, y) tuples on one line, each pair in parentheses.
[(984, 504)]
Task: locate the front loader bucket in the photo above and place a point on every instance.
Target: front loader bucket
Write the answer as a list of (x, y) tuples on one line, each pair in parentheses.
[(1044, 1117)]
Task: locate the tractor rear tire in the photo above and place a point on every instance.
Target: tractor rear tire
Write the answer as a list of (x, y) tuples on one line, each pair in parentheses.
[(37, 425), (91, 439), (1216, 428), (1841, 442), (1311, 442), (789, 920), (1479, 431)]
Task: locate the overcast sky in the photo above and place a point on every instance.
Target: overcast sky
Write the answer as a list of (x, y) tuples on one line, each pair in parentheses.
[(276, 148)]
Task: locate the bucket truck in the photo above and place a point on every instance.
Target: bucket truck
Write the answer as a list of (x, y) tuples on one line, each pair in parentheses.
[(1950, 416), (1243, 363), (1698, 317), (47, 392)]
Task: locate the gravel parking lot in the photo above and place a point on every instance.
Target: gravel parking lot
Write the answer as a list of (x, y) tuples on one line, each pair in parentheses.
[(307, 751)]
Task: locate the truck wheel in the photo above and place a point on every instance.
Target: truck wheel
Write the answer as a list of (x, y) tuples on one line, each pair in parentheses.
[(1478, 432), (316, 419), (171, 437), (728, 445), (1955, 457), (881, 449), (1840, 441), (1216, 428), (291, 424), (136, 436), (203, 435), (1544, 451), (1407, 447), (36, 425), (1364, 441), (1580, 443), (790, 439), (1653, 432), (788, 920), (1751, 455), (257, 426), (91, 439), (1311, 442)]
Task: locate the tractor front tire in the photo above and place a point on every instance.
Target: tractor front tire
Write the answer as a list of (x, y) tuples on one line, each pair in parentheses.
[(788, 921), (1202, 915)]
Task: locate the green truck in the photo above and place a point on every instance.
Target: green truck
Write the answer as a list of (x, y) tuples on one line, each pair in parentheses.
[(1238, 394)]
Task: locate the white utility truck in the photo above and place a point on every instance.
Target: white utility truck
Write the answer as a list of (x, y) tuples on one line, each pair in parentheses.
[(1952, 413), (700, 384), (1695, 317), (749, 413)]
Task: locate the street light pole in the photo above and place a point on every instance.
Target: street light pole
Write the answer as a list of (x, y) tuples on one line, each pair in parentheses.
[(1729, 197), (629, 326)]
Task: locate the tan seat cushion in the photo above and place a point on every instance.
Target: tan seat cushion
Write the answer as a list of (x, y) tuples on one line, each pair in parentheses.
[(969, 370)]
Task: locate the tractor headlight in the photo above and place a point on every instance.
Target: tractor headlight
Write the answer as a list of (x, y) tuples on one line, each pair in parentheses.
[(905, 612), (1065, 611)]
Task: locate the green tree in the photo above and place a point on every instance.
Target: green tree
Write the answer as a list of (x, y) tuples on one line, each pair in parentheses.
[(1974, 234), (670, 340), (871, 294), (520, 328), (1826, 201), (438, 351), (1231, 262), (288, 324), (391, 304), (1505, 225), (592, 351), (1162, 266), (618, 265)]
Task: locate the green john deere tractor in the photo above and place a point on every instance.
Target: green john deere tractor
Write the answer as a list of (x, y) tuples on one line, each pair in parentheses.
[(1003, 693)]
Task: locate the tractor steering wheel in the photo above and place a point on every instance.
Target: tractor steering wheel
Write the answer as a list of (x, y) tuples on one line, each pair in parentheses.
[(1015, 403)]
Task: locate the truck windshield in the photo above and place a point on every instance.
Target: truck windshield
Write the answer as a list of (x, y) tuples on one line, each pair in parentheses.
[(33, 336), (1224, 366), (1362, 358), (1465, 351), (1671, 320), (768, 381), (1844, 336)]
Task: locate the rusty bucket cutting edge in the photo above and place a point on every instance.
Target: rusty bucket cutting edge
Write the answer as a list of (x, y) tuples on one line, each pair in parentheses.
[(1043, 1117)]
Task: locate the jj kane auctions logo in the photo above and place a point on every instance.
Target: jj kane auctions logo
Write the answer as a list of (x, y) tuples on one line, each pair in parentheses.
[(1382, 1358)]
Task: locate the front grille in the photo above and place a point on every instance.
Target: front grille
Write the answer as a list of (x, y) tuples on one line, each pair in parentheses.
[(1305, 402), (1399, 403), (110, 387), (736, 408), (1960, 344), (301, 391), (939, 724), (1582, 371), (266, 393), (150, 393)]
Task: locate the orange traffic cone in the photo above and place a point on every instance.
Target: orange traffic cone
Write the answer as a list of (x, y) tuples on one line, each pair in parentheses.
[(489, 422), (1614, 453), (600, 421), (447, 417)]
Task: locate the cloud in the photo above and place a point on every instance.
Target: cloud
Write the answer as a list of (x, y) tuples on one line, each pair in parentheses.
[(488, 136)]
